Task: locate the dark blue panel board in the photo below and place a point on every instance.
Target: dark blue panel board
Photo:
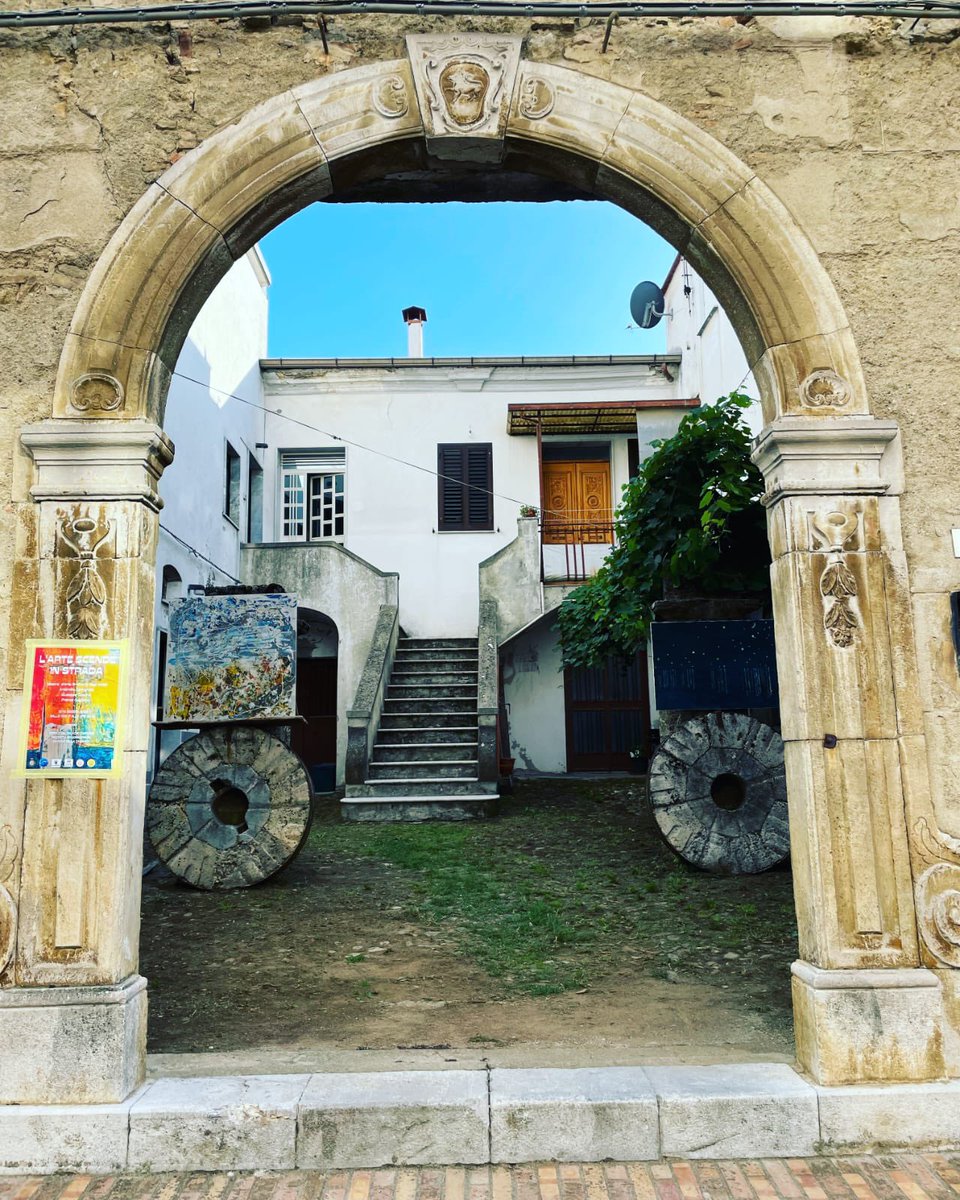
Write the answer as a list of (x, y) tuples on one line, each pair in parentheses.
[(714, 664)]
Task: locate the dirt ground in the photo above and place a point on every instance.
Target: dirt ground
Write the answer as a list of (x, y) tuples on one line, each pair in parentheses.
[(353, 948)]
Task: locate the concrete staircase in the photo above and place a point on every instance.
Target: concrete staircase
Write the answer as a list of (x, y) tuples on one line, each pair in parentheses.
[(424, 764)]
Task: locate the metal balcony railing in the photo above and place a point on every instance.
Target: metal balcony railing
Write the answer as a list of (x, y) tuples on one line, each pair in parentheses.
[(573, 550)]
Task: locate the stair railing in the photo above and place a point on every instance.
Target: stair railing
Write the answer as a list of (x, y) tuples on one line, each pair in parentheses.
[(363, 719), (488, 667)]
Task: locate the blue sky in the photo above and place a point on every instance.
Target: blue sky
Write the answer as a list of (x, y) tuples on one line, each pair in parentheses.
[(495, 279)]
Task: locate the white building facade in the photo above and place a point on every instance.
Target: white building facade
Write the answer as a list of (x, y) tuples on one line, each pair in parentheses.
[(712, 362), (421, 486)]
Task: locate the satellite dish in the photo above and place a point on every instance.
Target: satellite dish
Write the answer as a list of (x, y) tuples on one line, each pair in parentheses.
[(647, 304)]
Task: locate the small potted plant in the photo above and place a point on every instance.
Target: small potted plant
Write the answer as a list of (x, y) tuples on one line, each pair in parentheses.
[(527, 510)]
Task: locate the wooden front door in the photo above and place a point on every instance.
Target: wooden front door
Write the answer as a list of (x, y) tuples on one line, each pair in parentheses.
[(608, 714), (576, 502)]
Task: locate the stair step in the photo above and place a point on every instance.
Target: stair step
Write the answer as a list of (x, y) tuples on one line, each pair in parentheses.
[(418, 808), (417, 722), (421, 787), (420, 678), (425, 751), (431, 691), (442, 704), (429, 659), (418, 771), (437, 644), (427, 735), (427, 742)]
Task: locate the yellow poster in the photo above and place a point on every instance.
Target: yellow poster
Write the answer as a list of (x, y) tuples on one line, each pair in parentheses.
[(73, 700)]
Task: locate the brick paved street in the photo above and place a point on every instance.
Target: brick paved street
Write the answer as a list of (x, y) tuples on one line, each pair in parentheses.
[(891, 1177)]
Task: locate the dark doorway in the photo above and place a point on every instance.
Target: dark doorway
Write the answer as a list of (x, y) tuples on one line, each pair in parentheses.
[(315, 737), (608, 715)]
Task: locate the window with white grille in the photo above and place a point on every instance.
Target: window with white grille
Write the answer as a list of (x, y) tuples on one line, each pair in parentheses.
[(312, 494)]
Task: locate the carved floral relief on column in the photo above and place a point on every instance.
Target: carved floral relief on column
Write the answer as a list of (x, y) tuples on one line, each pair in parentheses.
[(86, 594), (464, 81), (9, 851), (97, 392), (938, 912), (836, 533), (825, 389)]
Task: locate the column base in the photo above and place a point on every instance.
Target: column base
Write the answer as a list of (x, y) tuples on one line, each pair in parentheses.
[(73, 1045), (860, 1026)]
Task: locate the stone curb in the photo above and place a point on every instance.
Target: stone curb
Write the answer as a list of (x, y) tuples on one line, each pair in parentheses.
[(420, 1118)]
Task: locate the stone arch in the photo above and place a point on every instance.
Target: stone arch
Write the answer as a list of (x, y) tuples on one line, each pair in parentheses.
[(865, 1006), (323, 137)]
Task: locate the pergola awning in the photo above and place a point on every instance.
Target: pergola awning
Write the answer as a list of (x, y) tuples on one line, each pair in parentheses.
[(584, 416)]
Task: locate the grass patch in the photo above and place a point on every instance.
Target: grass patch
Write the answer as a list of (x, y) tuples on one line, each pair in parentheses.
[(567, 887)]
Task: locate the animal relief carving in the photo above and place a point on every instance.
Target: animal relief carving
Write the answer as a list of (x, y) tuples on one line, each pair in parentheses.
[(463, 81), (838, 584), (9, 851), (86, 593), (464, 87)]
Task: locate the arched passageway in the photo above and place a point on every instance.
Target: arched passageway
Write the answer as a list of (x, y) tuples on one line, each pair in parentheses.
[(865, 1008)]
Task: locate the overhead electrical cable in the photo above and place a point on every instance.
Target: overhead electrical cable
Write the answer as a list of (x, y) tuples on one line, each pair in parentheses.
[(357, 445), (926, 10), (197, 554)]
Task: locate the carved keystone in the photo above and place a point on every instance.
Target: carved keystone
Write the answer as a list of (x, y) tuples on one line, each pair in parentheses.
[(464, 85)]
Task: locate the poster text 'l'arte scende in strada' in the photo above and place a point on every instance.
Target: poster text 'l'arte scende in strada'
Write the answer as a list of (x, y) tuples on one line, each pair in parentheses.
[(73, 695)]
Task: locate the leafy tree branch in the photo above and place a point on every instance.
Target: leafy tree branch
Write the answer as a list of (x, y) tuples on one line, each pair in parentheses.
[(690, 519)]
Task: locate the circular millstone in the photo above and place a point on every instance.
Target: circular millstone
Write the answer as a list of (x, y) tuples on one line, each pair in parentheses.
[(229, 808), (719, 794)]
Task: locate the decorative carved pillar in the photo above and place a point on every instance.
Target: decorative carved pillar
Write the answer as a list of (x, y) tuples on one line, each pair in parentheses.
[(72, 1007), (865, 1009)]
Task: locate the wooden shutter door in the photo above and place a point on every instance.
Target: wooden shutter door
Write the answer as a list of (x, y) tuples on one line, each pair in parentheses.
[(576, 502), (465, 486), (560, 500), (593, 494), (479, 479), (450, 486)]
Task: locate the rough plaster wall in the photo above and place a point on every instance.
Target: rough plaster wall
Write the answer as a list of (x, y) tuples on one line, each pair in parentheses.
[(532, 669), (856, 129)]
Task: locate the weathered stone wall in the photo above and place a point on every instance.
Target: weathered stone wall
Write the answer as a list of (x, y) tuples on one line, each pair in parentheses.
[(854, 126), (857, 131)]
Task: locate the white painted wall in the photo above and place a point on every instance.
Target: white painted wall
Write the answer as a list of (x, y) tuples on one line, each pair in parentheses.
[(532, 672), (713, 363), (392, 418), (222, 354)]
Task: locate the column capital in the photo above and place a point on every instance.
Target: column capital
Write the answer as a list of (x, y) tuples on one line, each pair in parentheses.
[(829, 456), (98, 460)]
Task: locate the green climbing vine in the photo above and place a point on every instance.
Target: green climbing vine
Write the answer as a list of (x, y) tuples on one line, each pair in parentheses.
[(690, 519)]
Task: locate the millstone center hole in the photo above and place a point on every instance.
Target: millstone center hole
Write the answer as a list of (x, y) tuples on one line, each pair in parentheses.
[(728, 792), (229, 804)]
